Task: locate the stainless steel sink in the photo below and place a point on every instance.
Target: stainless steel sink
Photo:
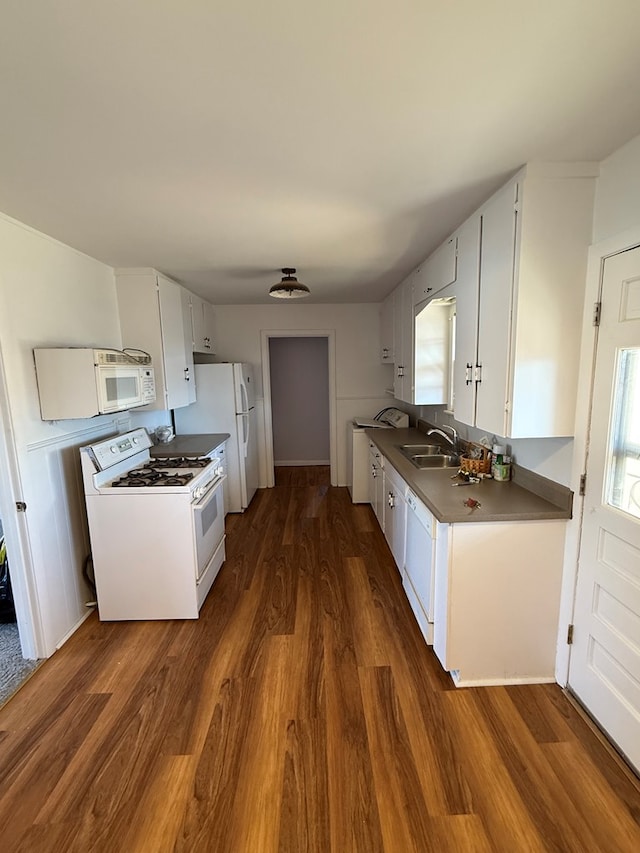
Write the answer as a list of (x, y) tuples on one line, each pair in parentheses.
[(428, 456), (421, 449), (441, 460)]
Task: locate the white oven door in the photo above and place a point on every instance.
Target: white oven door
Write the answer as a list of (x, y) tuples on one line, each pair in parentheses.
[(208, 525)]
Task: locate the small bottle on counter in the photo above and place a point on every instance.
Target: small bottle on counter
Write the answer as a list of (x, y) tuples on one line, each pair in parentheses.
[(501, 466), (497, 456)]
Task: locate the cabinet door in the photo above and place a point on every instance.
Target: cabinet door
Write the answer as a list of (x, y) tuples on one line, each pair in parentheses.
[(495, 314), (376, 483), (387, 352), (187, 342), (441, 596), (403, 341), (374, 475), (197, 322), (177, 369), (465, 291), (209, 326), (380, 504), (398, 315), (202, 317), (395, 516), (438, 271)]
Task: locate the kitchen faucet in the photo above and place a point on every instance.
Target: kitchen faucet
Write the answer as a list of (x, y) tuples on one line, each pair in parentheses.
[(452, 439)]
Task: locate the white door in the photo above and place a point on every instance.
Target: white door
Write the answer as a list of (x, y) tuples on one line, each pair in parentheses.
[(605, 658)]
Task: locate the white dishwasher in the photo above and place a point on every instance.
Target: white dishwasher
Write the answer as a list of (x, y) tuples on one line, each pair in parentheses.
[(419, 577)]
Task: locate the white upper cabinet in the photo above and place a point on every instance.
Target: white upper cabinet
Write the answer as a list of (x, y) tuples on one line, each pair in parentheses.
[(511, 283), (387, 352), (403, 341), (188, 372), (438, 271), (155, 316), (203, 320), (535, 236), (465, 293), (495, 310)]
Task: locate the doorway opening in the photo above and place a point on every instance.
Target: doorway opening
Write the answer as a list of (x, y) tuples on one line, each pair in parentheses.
[(299, 374), (14, 667), (299, 400), (20, 639)]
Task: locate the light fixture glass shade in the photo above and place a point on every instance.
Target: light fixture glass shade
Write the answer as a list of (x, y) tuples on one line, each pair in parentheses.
[(289, 287)]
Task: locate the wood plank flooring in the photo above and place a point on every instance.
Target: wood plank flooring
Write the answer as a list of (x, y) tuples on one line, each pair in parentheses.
[(302, 713)]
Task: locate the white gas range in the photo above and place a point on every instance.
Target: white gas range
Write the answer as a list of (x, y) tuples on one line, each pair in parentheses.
[(156, 528)]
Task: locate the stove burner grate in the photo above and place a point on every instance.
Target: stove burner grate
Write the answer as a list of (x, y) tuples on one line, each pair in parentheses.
[(181, 462), (141, 477)]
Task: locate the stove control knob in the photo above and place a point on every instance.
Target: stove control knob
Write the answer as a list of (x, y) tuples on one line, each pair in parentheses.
[(134, 439), (114, 449)]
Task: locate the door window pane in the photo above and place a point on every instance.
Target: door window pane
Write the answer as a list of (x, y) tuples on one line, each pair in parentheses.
[(623, 490)]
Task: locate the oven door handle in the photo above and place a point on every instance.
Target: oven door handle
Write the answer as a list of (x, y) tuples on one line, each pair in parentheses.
[(205, 498)]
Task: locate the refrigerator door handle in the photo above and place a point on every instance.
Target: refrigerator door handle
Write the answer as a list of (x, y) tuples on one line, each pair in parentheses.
[(244, 397), (245, 434)]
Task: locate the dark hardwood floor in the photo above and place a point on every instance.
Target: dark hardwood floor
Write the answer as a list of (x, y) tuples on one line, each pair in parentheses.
[(302, 713)]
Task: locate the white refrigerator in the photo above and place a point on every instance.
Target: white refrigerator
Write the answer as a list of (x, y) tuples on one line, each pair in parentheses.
[(226, 403)]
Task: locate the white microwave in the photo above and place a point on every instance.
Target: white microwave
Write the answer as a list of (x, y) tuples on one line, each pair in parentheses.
[(78, 382)]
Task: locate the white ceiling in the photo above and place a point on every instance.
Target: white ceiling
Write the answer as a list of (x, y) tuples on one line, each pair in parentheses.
[(219, 142)]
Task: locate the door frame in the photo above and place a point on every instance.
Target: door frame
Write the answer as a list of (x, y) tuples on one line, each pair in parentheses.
[(265, 336), (16, 533), (598, 253)]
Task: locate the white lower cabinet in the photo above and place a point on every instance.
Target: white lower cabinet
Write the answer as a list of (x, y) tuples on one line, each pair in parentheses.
[(357, 464), (485, 594), (497, 593), (395, 514), (376, 483)]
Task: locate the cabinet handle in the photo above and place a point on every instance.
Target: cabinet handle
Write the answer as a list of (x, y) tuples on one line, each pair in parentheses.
[(400, 371), (374, 473), (428, 290), (186, 374), (392, 500), (385, 352), (468, 374), (478, 373)]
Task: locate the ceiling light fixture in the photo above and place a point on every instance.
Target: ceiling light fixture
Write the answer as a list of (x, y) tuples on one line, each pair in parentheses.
[(289, 287)]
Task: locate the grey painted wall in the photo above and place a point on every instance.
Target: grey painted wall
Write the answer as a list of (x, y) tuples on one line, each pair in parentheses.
[(299, 372)]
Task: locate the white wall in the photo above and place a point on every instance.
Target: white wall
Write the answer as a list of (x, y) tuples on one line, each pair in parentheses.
[(360, 377), (549, 457), (616, 228), (50, 295), (617, 206)]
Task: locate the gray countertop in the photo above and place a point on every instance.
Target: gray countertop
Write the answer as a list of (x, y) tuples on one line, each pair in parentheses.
[(498, 501), (189, 445)]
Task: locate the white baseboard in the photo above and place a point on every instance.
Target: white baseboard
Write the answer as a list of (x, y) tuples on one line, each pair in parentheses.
[(69, 633)]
